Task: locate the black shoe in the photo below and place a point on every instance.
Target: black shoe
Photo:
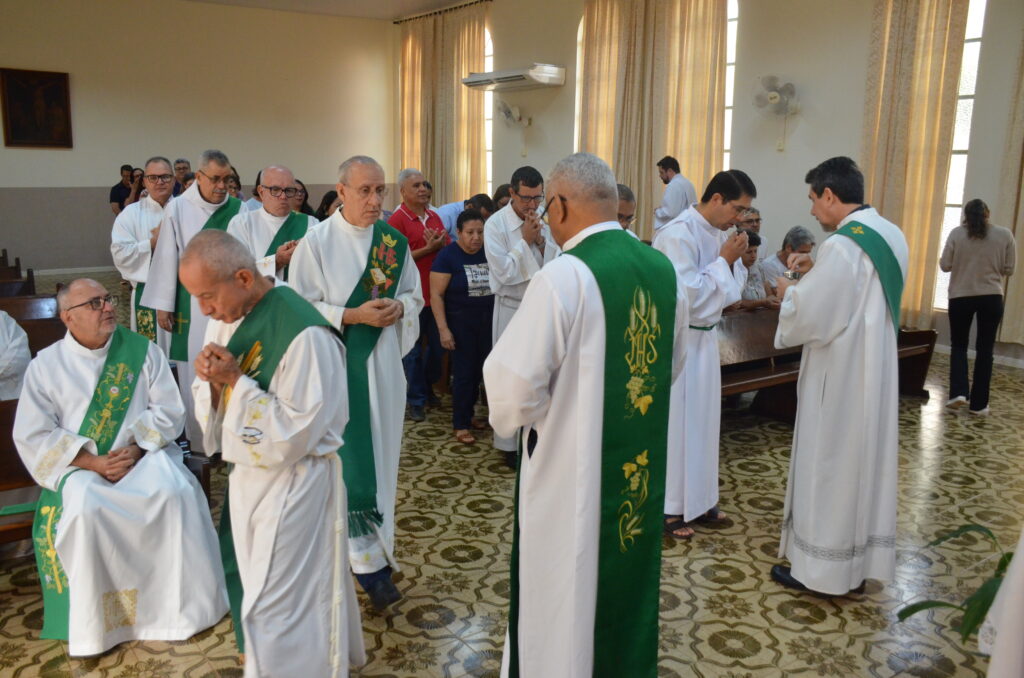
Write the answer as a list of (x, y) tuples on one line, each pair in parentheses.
[(782, 575), (382, 594), (860, 589), (510, 460), (416, 413)]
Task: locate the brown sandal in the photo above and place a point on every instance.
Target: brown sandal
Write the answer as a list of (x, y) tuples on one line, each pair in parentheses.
[(465, 437)]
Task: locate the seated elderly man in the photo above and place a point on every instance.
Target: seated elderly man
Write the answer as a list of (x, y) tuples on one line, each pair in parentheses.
[(271, 395), (14, 357), (124, 542), (798, 239)]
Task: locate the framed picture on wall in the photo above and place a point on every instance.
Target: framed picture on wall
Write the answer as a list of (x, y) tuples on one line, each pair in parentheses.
[(37, 109)]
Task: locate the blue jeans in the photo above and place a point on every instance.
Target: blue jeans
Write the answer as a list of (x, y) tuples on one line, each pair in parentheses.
[(423, 363), (472, 334)]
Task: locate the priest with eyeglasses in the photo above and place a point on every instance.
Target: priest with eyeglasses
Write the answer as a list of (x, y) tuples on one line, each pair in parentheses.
[(205, 204), (124, 542), (272, 232)]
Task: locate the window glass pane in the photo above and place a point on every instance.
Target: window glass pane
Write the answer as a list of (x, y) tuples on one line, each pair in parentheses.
[(975, 19), (725, 161), (962, 124), (957, 175), (950, 220), (730, 73), (728, 129), (488, 132), (969, 68), (730, 43), (734, 9), (488, 104)]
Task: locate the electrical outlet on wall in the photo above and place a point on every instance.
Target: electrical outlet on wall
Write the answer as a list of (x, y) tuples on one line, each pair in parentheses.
[(780, 145)]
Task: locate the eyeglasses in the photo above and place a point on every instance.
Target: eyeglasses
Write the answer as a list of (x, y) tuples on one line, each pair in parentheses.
[(216, 180), (276, 191), (626, 219), (738, 208), (96, 303), (159, 178), (535, 199)]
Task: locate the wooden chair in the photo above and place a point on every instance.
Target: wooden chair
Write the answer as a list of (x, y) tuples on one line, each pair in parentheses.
[(13, 475)]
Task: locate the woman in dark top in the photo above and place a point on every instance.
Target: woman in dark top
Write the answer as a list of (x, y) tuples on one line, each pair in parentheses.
[(327, 205), (462, 302), (300, 203)]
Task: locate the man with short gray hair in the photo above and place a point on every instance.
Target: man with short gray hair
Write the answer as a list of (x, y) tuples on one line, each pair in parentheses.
[(798, 240), (268, 398), (427, 235), (206, 204), (582, 376), (133, 239), (359, 273), (271, 230)]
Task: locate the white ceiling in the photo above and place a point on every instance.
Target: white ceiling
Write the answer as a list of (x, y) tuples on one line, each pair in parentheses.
[(370, 9)]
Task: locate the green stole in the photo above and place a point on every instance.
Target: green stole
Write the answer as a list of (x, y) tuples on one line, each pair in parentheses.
[(881, 255), (293, 228), (259, 343), (379, 280), (183, 300), (638, 292), (102, 423), (145, 317)]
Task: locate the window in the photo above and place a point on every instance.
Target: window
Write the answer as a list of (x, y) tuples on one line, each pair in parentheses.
[(730, 77), (579, 90), (489, 112), (961, 139)]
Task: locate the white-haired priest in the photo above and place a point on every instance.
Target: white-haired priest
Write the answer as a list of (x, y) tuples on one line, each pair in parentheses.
[(584, 372), (124, 542), (271, 396)]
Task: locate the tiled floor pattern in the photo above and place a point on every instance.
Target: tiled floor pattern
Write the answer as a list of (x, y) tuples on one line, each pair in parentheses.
[(721, 615)]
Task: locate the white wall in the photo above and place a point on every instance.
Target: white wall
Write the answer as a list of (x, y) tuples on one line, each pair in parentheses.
[(821, 46), (524, 32), (174, 78)]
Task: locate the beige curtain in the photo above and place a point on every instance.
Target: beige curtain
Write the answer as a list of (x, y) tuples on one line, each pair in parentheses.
[(910, 105), (653, 84), (442, 120), (1011, 208)]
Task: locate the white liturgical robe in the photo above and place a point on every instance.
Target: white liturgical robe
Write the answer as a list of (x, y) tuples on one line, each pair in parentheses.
[(839, 522), (678, 196), (546, 373), (288, 510), (141, 555), (256, 230), (14, 357), (184, 217), (691, 487), (130, 249), (326, 267), (512, 264)]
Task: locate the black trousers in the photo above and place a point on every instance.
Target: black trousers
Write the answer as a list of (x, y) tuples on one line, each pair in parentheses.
[(472, 334), (989, 309)]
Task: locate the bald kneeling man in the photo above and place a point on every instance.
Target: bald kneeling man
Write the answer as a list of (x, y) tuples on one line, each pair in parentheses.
[(124, 542), (271, 396)]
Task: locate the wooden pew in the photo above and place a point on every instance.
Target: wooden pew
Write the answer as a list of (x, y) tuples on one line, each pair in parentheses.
[(7, 271), (37, 315), (13, 475), (750, 362), (19, 286)]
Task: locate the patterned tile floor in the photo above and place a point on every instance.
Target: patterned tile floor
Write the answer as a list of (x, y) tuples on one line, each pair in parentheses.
[(721, 615)]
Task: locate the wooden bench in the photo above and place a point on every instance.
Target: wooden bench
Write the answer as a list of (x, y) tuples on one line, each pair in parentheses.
[(38, 316), (750, 362), (13, 476), (7, 271), (18, 286)]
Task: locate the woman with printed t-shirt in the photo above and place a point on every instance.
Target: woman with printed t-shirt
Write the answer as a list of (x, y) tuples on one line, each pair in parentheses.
[(462, 302)]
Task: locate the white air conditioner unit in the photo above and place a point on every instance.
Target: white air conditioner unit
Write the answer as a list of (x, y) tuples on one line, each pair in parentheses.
[(538, 75)]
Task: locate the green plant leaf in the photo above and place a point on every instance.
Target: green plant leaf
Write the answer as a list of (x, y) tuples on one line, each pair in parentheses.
[(976, 607), (924, 605), (963, 529), (1004, 563)]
